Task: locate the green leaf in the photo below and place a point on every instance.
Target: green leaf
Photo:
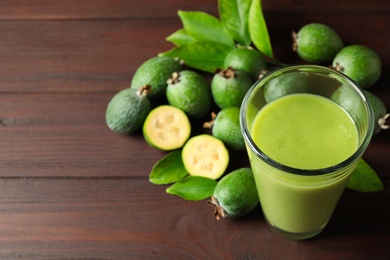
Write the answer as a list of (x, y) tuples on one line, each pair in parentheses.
[(206, 56), (364, 179), (193, 188), (258, 29), (234, 16), (180, 37), (205, 27), (169, 169)]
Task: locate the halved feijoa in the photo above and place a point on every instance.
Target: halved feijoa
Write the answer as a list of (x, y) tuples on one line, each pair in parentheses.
[(127, 110), (235, 194), (206, 156), (166, 128)]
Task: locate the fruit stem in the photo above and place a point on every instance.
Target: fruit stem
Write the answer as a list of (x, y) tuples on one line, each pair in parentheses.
[(210, 123), (144, 90), (384, 122), (294, 36), (218, 210), (226, 73), (338, 67), (174, 79)]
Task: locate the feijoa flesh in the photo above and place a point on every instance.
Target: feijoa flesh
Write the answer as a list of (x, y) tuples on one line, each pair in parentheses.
[(154, 73), (127, 110), (190, 92), (226, 126), (361, 63), (166, 128), (205, 156), (317, 43), (229, 86), (250, 61), (235, 194), (381, 118)]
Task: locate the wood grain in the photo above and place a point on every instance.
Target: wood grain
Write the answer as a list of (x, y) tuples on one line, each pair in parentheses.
[(114, 219), (72, 189)]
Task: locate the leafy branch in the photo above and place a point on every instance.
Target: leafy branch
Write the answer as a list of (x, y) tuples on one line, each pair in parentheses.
[(204, 41)]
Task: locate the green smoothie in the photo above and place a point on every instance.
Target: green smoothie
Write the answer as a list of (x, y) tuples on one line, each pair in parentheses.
[(303, 131)]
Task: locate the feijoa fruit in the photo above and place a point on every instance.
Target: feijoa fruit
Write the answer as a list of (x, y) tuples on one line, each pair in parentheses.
[(205, 156), (127, 110), (361, 63), (294, 82), (190, 92), (226, 126), (317, 43), (154, 73), (235, 194), (229, 86), (380, 116), (250, 61), (166, 128)]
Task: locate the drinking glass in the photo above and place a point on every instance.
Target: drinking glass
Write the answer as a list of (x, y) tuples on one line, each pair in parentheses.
[(298, 202)]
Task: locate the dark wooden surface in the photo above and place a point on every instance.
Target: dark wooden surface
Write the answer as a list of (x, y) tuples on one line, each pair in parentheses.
[(72, 189)]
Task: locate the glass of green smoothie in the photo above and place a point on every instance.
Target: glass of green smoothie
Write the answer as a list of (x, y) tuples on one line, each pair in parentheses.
[(305, 127)]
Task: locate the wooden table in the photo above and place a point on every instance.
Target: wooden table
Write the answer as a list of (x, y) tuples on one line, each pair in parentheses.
[(72, 189)]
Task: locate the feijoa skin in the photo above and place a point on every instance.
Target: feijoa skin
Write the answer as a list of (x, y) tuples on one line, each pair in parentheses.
[(379, 110), (226, 127), (317, 43), (250, 61), (361, 63), (127, 111), (235, 194), (154, 73), (229, 86), (190, 92), (291, 83)]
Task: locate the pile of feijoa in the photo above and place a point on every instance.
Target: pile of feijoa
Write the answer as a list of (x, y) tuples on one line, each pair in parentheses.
[(206, 74)]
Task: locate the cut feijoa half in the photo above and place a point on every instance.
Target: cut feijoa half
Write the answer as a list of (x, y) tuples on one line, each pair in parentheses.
[(166, 128), (206, 156)]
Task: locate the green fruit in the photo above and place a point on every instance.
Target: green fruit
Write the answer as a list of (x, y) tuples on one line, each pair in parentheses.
[(317, 43), (235, 194), (351, 102), (250, 61), (379, 111), (166, 128), (190, 92), (294, 82), (229, 86), (127, 110), (361, 63), (226, 127), (205, 156), (154, 73)]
